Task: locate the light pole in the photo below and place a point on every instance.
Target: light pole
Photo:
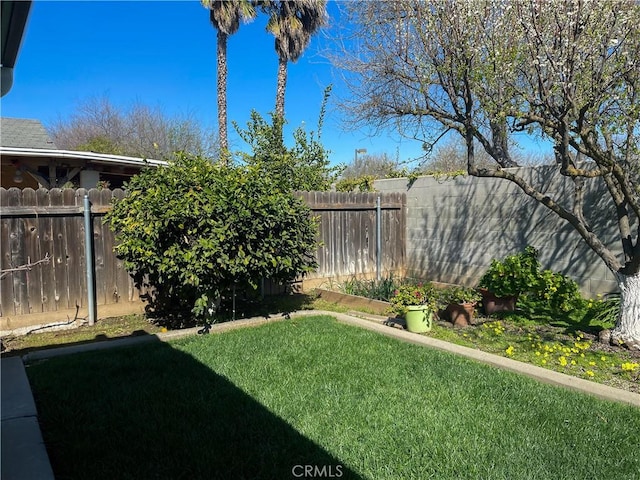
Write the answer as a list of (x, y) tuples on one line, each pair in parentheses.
[(359, 150)]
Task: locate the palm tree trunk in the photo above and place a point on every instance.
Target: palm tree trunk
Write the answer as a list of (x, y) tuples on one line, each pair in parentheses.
[(222, 94), (282, 87)]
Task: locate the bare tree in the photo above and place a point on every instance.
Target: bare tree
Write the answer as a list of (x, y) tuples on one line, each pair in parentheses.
[(140, 131), (566, 70), (376, 165), (450, 155)]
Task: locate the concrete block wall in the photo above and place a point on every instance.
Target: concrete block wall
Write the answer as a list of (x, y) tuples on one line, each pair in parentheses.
[(456, 226)]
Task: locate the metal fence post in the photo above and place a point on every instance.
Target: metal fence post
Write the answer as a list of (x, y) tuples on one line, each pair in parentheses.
[(378, 237), (88, 248)]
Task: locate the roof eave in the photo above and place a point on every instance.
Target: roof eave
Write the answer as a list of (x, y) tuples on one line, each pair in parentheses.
[(101, 158)]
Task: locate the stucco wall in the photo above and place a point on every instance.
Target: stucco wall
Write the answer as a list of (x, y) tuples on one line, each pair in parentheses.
[(456, 226)]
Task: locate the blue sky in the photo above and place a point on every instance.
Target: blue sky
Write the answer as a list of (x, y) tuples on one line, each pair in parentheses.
[(162, 53)]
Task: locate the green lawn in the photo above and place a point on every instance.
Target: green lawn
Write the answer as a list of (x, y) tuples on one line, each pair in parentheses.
[(256, 402)]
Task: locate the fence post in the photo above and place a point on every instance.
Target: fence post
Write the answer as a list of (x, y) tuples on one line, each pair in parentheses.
[(88, 248), (378, 237)]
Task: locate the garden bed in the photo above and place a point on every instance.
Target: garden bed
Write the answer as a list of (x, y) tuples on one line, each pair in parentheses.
[(355, 302)]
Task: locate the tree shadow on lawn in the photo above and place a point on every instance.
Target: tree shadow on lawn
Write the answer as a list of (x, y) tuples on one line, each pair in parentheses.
[(156, 412), (247, 305), (100, 337)]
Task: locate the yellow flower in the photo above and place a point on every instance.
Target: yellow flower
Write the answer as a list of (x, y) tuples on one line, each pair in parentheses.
[(629, 367), (604, 359), (509, 351), (563, 361), (538, 353), (590, 373), (544, 362), (163, 329), (573, 362)]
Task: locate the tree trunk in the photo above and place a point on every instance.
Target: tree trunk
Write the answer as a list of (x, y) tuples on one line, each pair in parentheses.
[(627, 329), (282, 87), (222, 93)]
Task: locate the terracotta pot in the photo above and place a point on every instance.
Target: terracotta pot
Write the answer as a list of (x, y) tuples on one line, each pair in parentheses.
[(492, 304), (460, 314)]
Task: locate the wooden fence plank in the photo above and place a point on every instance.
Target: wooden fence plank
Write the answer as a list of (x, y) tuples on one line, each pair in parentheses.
[(7, 306), (32, 252), (126, 291), (48, 290), (110, 268), (59, 231), (99, 261), (18, 254), (74, 247)]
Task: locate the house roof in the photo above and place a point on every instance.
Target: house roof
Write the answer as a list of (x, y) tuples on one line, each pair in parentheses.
[(89, 157), (24, 133), (13, 19)]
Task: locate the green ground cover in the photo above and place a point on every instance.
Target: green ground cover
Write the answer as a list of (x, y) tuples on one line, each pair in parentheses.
[(257, 402), (571, 352)]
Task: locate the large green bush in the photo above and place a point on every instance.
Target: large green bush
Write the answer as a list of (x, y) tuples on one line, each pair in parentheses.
[(194, 229)]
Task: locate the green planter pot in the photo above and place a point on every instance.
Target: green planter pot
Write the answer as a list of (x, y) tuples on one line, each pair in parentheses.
[(418, 318)]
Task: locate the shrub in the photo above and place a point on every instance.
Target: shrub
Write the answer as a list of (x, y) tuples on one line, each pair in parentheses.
[(539, 290), (556, 292), (459, 294), (194, 229), (513, 275)]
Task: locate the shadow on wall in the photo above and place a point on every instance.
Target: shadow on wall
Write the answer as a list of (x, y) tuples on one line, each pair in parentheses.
[(456, 226), (180, 419)]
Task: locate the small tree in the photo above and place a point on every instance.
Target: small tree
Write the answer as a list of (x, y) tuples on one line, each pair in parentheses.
[(305, 166), (195, 228), (375, 165)]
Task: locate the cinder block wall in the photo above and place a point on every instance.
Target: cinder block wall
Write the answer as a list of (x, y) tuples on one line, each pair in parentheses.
[(455, 227)]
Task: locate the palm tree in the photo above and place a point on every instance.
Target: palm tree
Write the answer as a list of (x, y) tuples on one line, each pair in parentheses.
[(292, 23), (225, 16)]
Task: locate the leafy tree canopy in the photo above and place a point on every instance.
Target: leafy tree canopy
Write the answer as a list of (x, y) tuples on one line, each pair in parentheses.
[(303, 167)]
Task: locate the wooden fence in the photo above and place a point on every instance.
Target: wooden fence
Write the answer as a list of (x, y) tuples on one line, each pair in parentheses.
[(36, 225), (347, 234)]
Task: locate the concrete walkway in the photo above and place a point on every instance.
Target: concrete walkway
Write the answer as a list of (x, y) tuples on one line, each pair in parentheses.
[(23, 452), (24, 455)]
